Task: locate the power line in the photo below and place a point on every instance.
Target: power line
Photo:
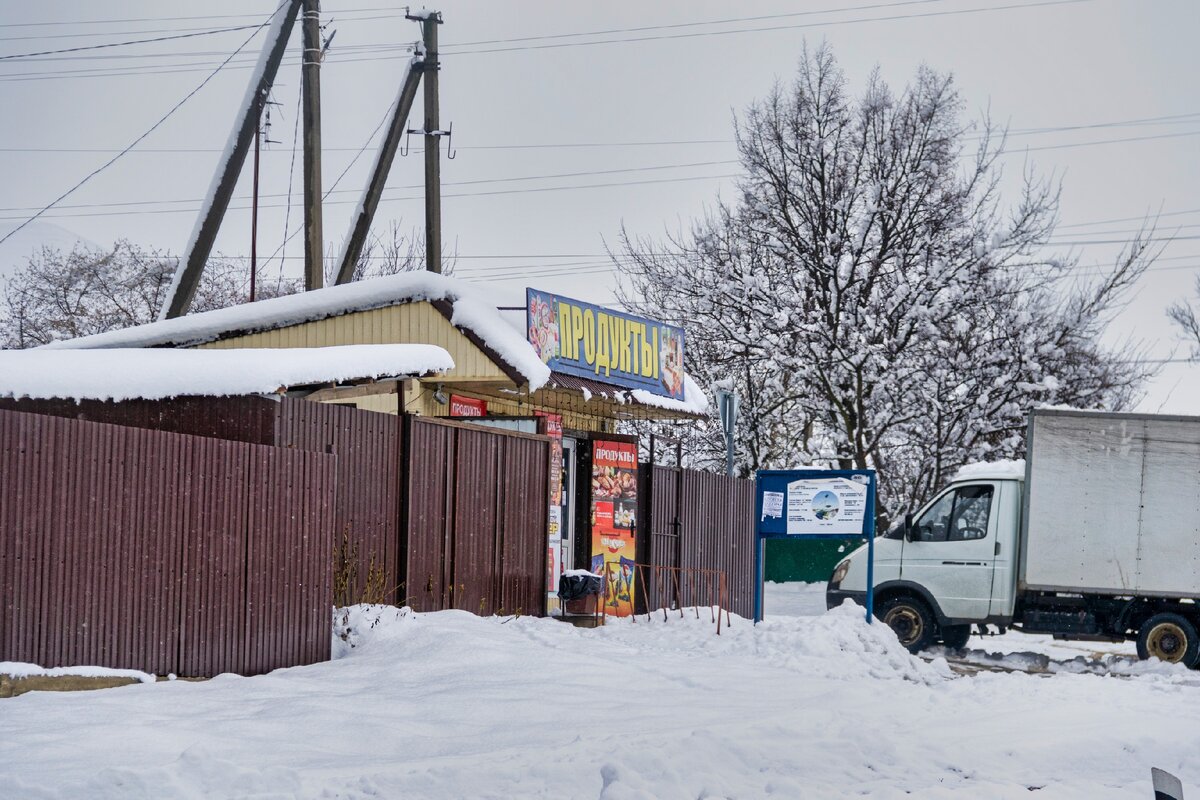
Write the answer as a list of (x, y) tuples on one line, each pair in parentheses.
[(693, 24), (161, 19), (831, 23), (891, 18), (603, 172), (149, 131), (130, 42)]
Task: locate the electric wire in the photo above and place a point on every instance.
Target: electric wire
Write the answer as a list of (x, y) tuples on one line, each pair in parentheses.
[(149, 131)]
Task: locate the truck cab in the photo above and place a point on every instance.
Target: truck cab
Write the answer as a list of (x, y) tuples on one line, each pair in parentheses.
[(949, 565)]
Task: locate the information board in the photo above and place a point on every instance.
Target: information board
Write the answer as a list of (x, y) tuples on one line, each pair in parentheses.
[(814, 503)]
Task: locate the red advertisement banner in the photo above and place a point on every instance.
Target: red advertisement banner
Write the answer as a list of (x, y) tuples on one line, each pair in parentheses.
[(467, 406), (614, 521)]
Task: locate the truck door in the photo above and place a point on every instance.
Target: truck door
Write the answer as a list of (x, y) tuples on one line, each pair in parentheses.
[(951, 550)]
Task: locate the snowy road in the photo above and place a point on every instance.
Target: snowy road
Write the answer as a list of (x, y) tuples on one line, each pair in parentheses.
[(450, 705)]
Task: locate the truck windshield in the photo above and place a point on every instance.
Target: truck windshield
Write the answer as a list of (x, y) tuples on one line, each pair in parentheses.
[(956, 516)]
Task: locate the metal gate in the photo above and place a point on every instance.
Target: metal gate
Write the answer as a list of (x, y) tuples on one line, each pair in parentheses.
[(701, 520)]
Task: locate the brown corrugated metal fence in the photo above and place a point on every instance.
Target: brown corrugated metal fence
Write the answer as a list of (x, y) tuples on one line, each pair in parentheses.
[(132, 548), (367, 510), (476, 517), (366, 443), (706, 520)]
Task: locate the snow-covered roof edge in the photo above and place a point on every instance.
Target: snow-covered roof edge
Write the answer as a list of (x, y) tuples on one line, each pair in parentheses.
[(694, 401), (994, 470), (117, 374), (471, 311)]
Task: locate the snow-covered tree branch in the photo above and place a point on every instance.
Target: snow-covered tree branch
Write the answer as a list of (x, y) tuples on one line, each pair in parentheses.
[(872, 294)]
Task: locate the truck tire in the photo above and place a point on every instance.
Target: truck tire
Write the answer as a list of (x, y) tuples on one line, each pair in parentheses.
[(955, 637), (1169, 637), (910, 619)]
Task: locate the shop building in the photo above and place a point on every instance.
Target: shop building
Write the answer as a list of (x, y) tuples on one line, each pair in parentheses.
[(553, 366)]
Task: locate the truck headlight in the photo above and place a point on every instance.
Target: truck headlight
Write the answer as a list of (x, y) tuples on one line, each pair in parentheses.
[(839, 572)]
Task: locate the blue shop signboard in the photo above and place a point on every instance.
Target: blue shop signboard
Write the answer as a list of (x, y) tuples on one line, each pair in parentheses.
[(588, 341)]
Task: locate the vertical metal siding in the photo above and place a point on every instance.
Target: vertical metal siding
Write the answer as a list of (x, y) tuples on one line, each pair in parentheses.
[(429, 475), (476, 522), (716, 530), (367, 510), (134, 548)]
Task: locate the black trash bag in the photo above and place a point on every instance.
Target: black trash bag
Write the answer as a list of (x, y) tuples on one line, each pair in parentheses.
[(574, 587)]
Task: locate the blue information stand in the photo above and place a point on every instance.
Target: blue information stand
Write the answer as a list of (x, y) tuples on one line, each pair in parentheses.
[(771, 489)]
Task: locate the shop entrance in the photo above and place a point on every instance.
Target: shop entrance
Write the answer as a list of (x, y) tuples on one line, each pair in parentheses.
[(570, 471)]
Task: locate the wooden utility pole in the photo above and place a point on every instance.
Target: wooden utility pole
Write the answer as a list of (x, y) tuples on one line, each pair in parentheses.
[(360, 226), (254, 206), (187, 277), (433, 150), (314, 267)]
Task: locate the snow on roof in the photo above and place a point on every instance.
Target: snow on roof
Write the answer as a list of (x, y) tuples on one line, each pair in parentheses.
[(991, 470), (694, 401), (472, 311), (127, 374)]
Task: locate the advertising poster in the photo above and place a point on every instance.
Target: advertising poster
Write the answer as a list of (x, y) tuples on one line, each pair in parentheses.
[(611, 346), (554, 429), (826, 506), (614, 521)]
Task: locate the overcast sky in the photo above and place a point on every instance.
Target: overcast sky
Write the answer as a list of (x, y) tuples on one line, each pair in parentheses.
[(645, 97)]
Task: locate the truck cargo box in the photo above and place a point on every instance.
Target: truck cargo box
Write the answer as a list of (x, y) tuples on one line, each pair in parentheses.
[(1112, 504)]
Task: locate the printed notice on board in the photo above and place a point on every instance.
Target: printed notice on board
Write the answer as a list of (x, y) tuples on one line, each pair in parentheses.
[(825, 506), (772, 505)]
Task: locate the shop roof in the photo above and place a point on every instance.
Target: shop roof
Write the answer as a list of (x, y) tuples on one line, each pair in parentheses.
[(154, 374), (694, 401), (471, 310)]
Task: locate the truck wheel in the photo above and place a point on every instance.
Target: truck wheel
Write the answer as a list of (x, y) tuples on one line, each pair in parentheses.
[(955, 637), (911, 621), (1169, 637)]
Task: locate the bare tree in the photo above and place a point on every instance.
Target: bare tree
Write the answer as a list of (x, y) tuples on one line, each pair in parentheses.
[(870, 292), (62, 295), (391, 252)]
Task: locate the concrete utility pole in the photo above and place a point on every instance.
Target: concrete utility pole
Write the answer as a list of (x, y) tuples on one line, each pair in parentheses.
[(433, 153), (361, 224), (314, 267), (191, 267)]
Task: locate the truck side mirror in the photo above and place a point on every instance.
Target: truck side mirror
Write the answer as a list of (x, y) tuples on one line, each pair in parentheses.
[(909, 531)]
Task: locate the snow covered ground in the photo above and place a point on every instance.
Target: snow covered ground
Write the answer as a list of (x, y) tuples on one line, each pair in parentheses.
[(450, 705)]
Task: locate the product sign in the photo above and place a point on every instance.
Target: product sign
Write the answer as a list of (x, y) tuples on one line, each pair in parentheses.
[(614, 521), (824, 506), (554, 429), (467, 406), (611, 346)]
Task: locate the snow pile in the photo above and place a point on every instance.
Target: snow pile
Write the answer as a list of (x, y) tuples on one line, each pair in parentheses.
[(995, 470), (838, 644), (127, 374), (477, 315), (453, 705), (19, 669), (356, 626)]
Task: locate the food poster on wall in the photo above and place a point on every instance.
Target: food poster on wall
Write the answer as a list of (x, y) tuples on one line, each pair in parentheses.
[(554, 559), (614, 521)]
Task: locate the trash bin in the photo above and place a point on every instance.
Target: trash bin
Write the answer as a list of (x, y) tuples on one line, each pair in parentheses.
[(578, 584)]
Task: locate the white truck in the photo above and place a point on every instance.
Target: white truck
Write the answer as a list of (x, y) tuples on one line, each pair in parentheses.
[(1095, 536)]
